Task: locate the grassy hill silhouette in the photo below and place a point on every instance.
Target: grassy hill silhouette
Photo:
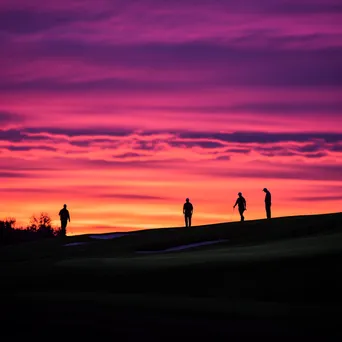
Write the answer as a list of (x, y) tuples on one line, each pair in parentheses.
[(278, 278)]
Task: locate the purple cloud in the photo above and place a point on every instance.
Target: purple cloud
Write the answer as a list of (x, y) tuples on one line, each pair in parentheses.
[(264, 137), (28, 21), (29, 148), (12, 135), (132, 196), (5, 174), (196, 143), (225, 66), (9, 118)]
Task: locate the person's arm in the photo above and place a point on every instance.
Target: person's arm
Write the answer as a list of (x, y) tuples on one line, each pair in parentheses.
[(245, 203), (192, 209), (68, 216), (235, 203), (184, 209)]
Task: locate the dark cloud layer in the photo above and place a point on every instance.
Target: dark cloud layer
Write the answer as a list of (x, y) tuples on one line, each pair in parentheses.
[(186, 139), (9, 118), (229, 66), (5, 174), (25, 21), (131, 196), (263, 137)]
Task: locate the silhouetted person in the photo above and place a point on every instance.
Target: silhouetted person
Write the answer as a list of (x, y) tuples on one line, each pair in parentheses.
[(64, 217), (241, 203), (187, 211), (267, 203)]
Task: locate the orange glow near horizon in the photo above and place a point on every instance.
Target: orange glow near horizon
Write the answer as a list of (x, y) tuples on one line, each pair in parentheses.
[(154, 199)]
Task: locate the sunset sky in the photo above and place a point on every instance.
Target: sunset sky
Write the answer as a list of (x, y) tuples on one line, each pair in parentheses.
[(122, 109)]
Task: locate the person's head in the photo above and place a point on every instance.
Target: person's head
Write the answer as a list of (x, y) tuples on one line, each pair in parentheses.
[(240, 194), (187, 199), (64, 206), (264, 190)]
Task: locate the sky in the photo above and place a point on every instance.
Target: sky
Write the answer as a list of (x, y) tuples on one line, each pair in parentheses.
[(122, 109)]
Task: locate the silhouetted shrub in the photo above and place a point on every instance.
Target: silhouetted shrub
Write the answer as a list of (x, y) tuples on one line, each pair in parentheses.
[(41, 225), (38, 228)]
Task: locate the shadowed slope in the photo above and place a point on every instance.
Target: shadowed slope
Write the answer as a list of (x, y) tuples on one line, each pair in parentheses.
[(278, 278), (236, 233)]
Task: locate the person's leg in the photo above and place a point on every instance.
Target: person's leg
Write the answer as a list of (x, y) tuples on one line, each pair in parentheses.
[(268, 211), (241, 214), (186, 221), (190, 221), (63, 228)]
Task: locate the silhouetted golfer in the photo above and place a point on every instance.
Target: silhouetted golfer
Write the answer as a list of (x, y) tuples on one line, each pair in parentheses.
[(187, 211), (64, 216), (241, 203), (267, 203)]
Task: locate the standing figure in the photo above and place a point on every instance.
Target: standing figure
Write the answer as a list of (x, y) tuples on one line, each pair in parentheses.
[(267, 203), (241, 203), (187, 211), (64, 217)]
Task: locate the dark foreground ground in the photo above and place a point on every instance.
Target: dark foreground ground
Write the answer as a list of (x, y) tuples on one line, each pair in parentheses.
[(278, 280)]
